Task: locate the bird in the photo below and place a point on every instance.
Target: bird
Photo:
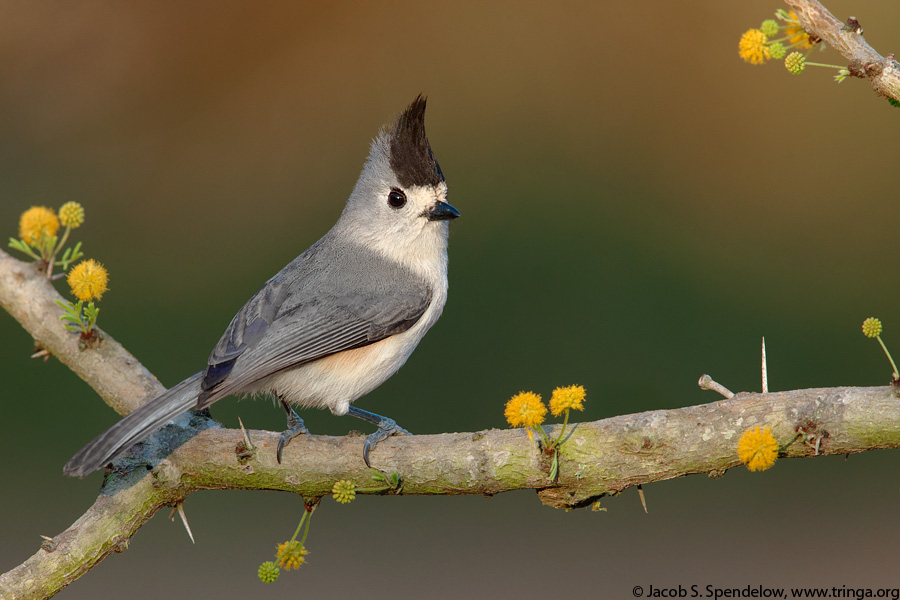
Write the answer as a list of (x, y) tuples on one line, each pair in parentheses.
[(339, 319)]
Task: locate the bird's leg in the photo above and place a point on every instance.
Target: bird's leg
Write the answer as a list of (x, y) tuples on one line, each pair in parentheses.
[(386, 428), (295, 428)]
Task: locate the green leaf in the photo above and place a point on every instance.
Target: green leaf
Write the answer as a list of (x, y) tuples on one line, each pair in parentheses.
[(23, 247), (70, 255)]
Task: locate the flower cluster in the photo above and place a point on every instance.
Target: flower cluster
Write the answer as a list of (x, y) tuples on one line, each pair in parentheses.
[(88, 281), (344, 491), (872, 328), (527, 409), (757, 46), (758, 449), (290, 554), (268, 572), (38, 239)]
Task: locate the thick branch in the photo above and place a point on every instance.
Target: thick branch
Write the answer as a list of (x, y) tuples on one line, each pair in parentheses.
[(883, 71), (600, 458)]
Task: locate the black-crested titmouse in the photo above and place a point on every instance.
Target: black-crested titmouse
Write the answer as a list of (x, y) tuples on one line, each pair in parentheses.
[(341, 318)]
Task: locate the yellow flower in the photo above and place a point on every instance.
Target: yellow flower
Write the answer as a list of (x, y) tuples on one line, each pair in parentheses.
[(796, 33), (88, 280), (290, 555), (564, 398), (71, 214), (344, 491), (871, 327), (525, 409), (758, 449), (37, 222), (752, 47)]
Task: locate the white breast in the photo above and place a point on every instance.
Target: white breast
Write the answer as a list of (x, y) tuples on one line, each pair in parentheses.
[(335, 381)]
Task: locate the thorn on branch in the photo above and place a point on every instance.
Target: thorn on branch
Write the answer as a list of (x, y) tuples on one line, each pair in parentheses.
[(180, 508), (707, 383), (244, 448), (42, 353)]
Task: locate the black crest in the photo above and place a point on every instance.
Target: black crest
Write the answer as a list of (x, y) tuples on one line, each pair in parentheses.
[(411, 158)]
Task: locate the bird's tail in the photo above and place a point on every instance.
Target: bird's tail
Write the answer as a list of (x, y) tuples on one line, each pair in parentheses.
[(135, 427)]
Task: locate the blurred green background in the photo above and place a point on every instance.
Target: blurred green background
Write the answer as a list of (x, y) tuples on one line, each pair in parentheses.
[(639, 207)]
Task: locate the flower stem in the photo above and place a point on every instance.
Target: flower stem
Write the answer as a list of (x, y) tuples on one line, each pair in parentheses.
[(62, 242), (883, 347), (823, 65), (52, 258), (302, 520), (544, 437), (563, 430), (306, 531)]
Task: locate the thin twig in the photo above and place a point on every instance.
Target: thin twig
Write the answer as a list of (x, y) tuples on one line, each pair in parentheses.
[(864, 61), (707, 383)]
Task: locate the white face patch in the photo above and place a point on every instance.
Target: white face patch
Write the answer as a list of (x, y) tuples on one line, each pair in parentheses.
[(403, 234)]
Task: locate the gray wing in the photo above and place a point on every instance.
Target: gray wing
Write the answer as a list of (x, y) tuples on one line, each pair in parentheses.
[(324, 302)]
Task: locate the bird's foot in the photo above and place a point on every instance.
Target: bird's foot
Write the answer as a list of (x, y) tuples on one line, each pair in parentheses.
[(386, 428), (295, 428)]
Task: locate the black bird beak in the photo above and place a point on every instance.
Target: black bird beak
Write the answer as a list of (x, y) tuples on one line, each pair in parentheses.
[(441, 211)]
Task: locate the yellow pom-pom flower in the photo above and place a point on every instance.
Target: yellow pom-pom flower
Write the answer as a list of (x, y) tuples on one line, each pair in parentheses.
[(344, 491), (565, 398), (268, 572), (71, 214), (758, 449), (291, 555), (871, 327), (525, 409), (37, 222), (88, 280), (752, 47)]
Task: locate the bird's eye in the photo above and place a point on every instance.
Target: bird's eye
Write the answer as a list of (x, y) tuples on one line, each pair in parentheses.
[(396, 198)]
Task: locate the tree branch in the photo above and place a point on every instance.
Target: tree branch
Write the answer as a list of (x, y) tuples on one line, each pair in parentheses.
[(119, 378), (600, 458), (865, 62)]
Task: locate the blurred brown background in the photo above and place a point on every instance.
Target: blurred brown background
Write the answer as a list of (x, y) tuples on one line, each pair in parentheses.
[(639, 207)]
